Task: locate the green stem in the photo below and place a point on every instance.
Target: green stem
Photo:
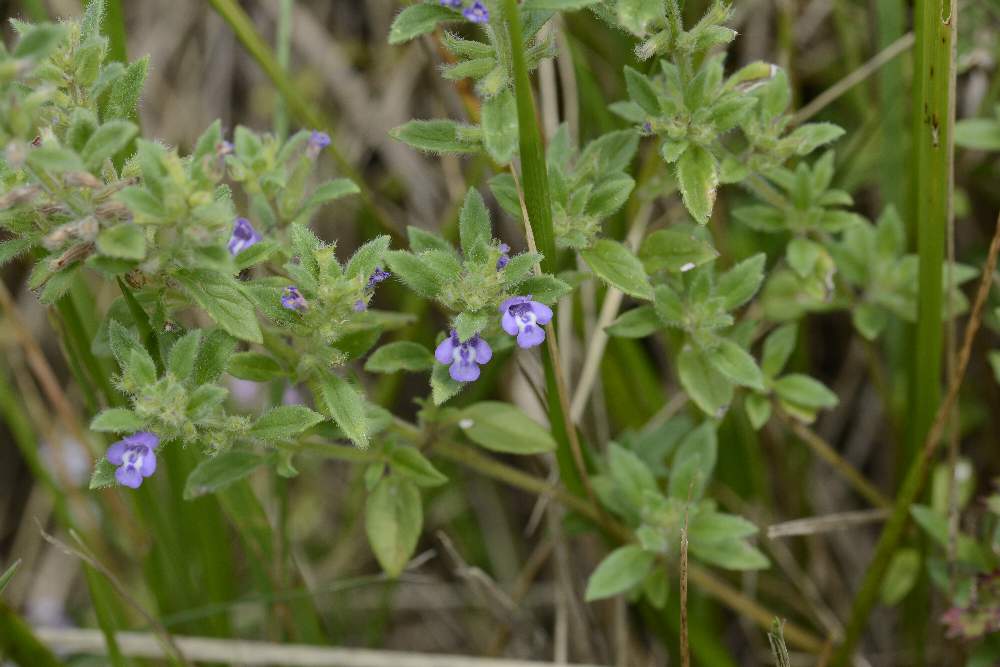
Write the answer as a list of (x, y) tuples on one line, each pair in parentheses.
[(535, 184), (934, 110), (284, 48), (78, 345), (890, 18), (306, 113)]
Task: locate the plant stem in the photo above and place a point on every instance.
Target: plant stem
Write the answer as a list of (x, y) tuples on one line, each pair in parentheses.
[(934, 111), (284, 49), (825, 451)]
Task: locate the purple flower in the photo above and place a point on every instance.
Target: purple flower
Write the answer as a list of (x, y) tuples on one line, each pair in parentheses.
[(523, 318), (454, 4), (224, 148), (244, 236), (463, 357), (134, 457), (359, 306), (378, 276), (317, 142), (504, 258), (477, 13), (292, 299)]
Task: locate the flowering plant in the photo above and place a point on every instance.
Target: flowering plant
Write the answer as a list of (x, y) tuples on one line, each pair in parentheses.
[(627, 251)]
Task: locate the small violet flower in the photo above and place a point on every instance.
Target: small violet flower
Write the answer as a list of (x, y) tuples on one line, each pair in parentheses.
[(504, 258), (134, 457), (374, 279), (317, 142), (477, 13), (244, 236), (523, 318), (292, 299), (454, 4), (464, 358)]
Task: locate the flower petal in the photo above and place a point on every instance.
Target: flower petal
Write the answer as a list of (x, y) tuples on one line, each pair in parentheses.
[(144, 438), (508, 323), (464, 371), (543, 313), (148, 464), (443, 353), (483, 351), (116, 451), (128, 476), (512, 301), (531, 336)]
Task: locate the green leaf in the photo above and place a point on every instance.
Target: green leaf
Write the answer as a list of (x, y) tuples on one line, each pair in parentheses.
[(443, 386), (731, 555), (675, 250), (284, 422), (216, 350), (811, 136), (400, 356), (127, 89), (802, 255), (143, 204), (220, 296), (106, 141), (474, 229), (641, 91), (254, 366), (345, 405), (499, 122), (421, 240), (708, 388), (335, 189), (620, 571), (502, 427), (204, 400), (636, 323), (394, 518), (693, 463), (869, 319), (904, 568), (409, 462), (618, 267), (184, 354), (435, 136), (805, 391), (419, 19), (631, 476), (103, 475), (14, 248), (219, 471), (368, 257), (609, 195), (758, 409), (698, 179), (116, 420), (639, 16), (778, 347), (978, 133), (707, 528), (124, 240), (55, 160), (415, 273), (40, 40), (738, 285), (736, 364)]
